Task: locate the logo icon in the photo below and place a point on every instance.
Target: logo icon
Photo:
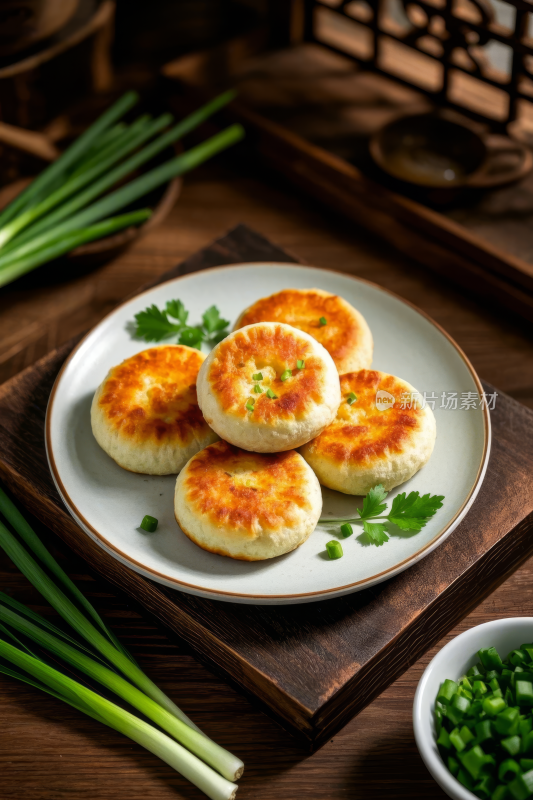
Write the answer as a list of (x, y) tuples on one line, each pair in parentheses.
[(384, 400)]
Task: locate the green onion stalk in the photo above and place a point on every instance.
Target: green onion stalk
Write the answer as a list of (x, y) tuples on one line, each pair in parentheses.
[(133, 138), (70, 156), (60, 245), (179, 165), (59, 209), (195, 741), (132, 684), (179, 758)]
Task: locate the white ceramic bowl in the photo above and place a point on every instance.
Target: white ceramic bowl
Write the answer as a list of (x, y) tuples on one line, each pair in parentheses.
[(452, 662)]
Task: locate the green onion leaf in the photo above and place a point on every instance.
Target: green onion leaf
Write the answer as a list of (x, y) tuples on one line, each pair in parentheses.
[(69, 157), (257, 389), (149, 523), (258, 376), (60, 245), (300, 364), (117, 174), (212, 784), (286, 374), (323, 321), (30, 538), (195, 741), (271, 394), (352, 397), (81, 624)]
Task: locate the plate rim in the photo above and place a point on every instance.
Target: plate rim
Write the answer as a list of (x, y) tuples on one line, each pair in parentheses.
[(321, 594)]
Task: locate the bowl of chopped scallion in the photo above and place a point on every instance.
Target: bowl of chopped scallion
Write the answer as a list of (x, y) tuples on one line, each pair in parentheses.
[(473, 713)]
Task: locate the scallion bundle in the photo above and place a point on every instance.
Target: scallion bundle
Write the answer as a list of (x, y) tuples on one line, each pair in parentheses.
[(70, 203), (99, 655)]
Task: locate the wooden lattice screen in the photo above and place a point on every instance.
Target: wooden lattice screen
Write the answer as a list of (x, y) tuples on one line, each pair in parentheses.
[(444, 48)]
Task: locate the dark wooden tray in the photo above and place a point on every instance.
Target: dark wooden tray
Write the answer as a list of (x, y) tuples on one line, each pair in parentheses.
[(315, 666)]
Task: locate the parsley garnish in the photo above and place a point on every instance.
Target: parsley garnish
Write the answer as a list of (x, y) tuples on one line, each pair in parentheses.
[(153, 325), (408, 512)]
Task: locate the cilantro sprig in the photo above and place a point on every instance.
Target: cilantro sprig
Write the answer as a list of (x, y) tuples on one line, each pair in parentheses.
[(154, 324), (409, 512)]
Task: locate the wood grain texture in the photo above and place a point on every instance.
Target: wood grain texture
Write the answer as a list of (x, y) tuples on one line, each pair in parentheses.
[(312, 666), (50, 752)]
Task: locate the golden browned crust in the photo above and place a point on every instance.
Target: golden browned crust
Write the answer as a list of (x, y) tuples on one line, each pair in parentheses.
[(152, 396), (270, 350), (220, 551), (361, 433), (245, 492), (303, 309)]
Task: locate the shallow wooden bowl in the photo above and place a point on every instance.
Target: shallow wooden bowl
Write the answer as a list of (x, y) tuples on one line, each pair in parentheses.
[(161, 200), (93, 254)]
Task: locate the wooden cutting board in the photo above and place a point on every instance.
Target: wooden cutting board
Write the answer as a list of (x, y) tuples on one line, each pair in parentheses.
[(311, 666)]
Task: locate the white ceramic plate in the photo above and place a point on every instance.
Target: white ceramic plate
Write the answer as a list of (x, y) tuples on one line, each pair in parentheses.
[(109, 503)]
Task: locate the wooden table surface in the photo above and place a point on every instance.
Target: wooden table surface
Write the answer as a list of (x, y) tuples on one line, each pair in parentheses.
[(47, 750)]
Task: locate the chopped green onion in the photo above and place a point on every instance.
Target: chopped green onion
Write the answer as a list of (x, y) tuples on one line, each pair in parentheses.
[(352, 397), (453, 765), (443, 739), (522, 786), (524, 693), (518, 658), (508, 770), (286, 374), (484, 721), (149, 523), (250, 404), (300, 364), (346, 530), (473, 761), (334, 549), (489, 658), (464, 778), (506, 722), (258, 376), (493, 705), (323, 321), (457, 740), (257, 389), (484, 788), (500, 793), (484, 730), (447, 691), (511, 745), (271, 394)]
